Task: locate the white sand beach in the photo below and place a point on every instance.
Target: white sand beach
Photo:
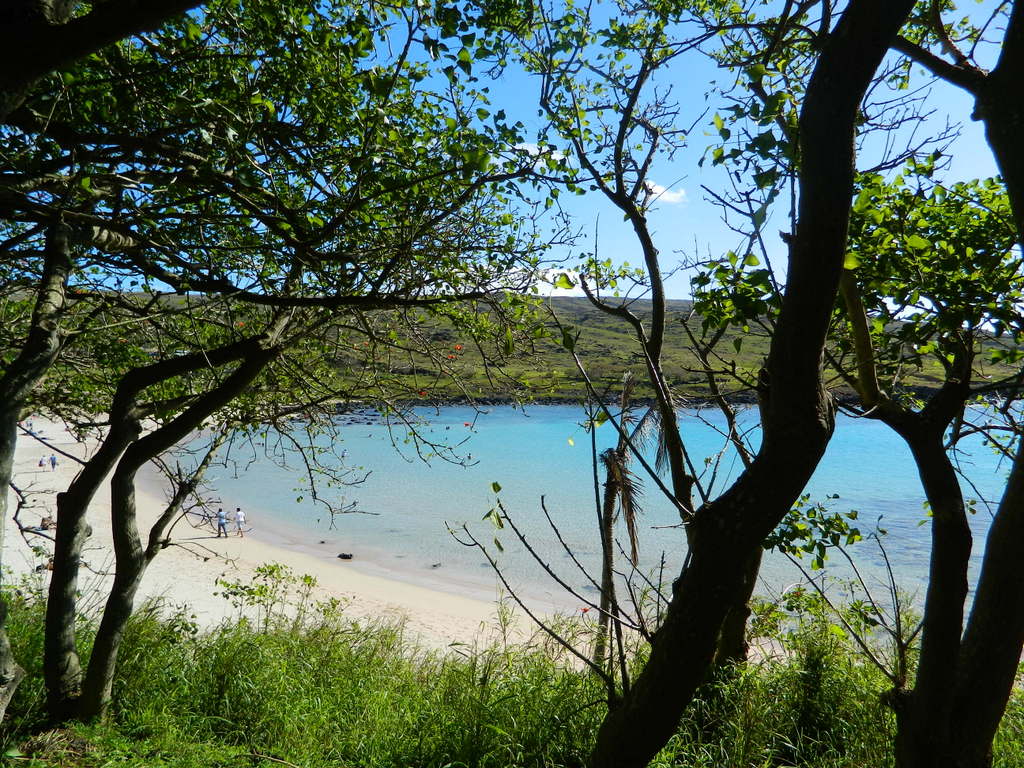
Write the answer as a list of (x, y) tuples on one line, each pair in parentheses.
[(187, 572)]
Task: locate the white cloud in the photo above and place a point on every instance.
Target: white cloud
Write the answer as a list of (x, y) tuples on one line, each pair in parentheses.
[(666, 195)]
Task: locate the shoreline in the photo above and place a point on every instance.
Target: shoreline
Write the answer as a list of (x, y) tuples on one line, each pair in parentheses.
[(186, 573)]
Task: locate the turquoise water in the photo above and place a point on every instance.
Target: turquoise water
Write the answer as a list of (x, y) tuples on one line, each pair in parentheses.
[(407, 504)]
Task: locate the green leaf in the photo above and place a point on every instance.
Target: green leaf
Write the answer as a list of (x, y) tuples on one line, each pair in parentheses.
[(563, 281), (496, 487), (851, 261), (494, 517), (918, 243), (569, 338)]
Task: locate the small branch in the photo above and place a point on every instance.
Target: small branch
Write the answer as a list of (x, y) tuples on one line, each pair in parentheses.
[(609, 683), (971, 79)]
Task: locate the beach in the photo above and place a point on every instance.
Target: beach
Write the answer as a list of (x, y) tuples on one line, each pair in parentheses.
[(186, 573)]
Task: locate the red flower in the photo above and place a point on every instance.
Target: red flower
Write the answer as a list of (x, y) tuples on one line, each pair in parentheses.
[(458, 347), (423, 393), (240, 323)]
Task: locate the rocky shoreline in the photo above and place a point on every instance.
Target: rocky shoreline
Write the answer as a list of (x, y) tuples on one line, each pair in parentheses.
[(360, 411)]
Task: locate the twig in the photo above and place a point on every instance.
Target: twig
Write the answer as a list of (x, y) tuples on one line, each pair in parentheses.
[(609, 683), (846, 625)]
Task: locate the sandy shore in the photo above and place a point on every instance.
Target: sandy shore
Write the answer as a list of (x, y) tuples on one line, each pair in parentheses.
[(186, 573)]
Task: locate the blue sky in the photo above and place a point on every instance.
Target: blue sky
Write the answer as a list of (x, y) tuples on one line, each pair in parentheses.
[(684, 222)]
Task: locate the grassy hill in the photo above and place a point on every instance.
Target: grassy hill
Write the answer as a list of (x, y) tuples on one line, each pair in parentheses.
[(607, 347)]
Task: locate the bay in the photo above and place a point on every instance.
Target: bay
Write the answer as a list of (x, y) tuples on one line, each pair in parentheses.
[(412, 499)]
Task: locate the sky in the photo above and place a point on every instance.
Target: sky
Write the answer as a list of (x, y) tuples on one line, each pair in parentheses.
[(684, 222)]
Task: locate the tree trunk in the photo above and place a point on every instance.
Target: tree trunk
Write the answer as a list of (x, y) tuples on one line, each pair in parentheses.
[(799, 416), (992, 644), (99, 678), (62, 669), (131, 556), (725, 536), (999, 106), (11, 673), (611, 492), (37, 354), (994, 638), (924, 727), (732, 643)]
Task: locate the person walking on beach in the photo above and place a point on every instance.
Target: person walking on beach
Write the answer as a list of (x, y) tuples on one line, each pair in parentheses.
[(240, 521), (222, 522), (53, 462)]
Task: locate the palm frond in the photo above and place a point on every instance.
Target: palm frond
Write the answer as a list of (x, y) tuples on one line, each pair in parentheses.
[(630, 491)]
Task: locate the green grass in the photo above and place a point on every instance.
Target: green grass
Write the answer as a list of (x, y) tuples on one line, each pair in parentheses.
[(608, 348), (328, 692)]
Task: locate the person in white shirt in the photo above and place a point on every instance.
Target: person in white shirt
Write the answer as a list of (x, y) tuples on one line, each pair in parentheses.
[(240, 521)]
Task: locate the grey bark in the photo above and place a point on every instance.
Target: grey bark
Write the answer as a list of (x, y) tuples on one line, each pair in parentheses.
[(611, 492), (37, 354), (62, 669), (732, 644)]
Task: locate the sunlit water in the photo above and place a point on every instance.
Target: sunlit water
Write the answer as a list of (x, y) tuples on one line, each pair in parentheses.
[(544, 454)]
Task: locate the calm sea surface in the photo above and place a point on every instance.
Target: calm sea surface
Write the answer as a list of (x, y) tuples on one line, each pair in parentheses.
[(409, 504)]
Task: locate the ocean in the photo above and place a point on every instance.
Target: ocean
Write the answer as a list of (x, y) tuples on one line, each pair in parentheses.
[(417, 488)]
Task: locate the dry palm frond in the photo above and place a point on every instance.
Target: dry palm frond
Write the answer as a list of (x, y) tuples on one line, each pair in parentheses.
[(628, 491)]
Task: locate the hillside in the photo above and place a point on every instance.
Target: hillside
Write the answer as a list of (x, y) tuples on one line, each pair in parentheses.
[(607, 347)]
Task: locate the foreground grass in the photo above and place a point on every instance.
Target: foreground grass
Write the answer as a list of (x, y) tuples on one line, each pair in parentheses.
[(327, 692)]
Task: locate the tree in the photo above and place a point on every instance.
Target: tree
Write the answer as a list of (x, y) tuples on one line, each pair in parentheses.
[(937, 293), (620, 498), (966, 673), (40, 36), (725, 533), (190, 162), (931, 273)]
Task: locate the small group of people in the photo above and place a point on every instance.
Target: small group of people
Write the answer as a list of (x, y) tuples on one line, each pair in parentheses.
[(52, 460), (222, 522)]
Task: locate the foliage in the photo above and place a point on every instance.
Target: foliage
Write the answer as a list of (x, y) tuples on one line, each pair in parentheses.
[(332, 692), (336, 173), (810, 528), (936, 269)]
